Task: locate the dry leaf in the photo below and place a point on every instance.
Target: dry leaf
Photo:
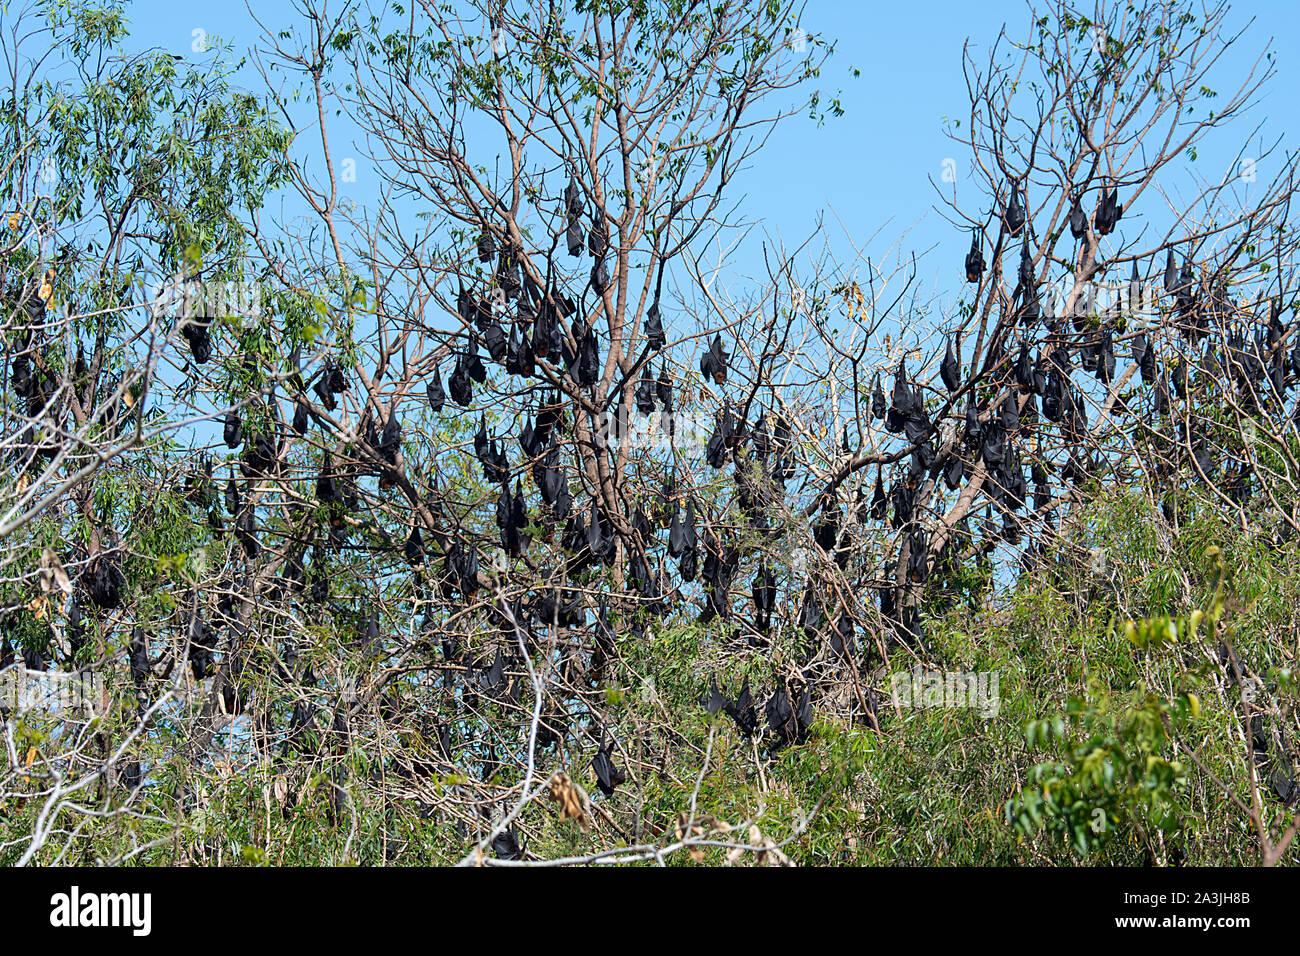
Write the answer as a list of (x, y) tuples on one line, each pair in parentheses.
[(572, 799), (52, 573), (703, 827), (769, 855)]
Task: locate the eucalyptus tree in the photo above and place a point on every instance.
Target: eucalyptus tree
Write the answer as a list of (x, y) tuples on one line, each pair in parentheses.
[(122, 173), (539, 172)]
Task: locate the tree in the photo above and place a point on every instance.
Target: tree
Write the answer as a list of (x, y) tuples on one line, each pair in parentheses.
[(121, 170)]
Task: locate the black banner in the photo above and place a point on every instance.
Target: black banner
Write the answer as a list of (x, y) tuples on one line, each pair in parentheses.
[(932, 905)]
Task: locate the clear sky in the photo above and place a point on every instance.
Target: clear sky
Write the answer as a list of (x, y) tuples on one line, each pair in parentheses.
[(870, 169)]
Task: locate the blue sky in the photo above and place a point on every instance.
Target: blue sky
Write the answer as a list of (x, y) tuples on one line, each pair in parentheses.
[(868, 170)]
